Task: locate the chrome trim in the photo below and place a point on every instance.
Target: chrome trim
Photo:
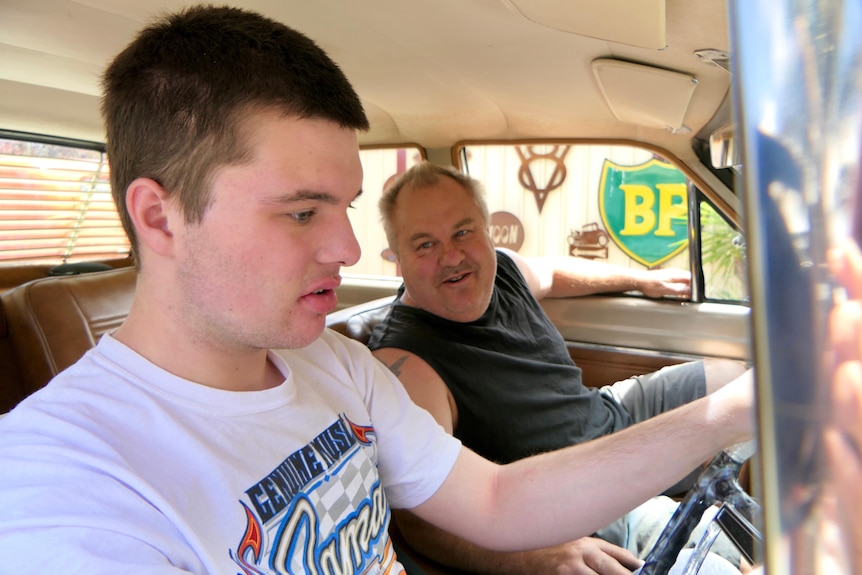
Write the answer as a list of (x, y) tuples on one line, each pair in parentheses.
[(664, 326), (630, 351), (797, 96)]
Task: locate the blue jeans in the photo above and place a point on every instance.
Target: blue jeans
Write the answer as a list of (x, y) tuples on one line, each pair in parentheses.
[(639, 529), (712, 565)]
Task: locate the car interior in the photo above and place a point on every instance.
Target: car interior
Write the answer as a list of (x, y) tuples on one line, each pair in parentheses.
[(432, 81), (513, 92)]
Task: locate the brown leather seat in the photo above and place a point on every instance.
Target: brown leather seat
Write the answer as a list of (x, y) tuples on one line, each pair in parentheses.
[(53, 321)]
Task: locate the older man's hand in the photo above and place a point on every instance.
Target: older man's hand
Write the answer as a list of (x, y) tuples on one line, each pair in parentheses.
[(663, 282)]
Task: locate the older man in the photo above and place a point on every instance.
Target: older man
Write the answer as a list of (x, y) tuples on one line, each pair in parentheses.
[(470, 342)]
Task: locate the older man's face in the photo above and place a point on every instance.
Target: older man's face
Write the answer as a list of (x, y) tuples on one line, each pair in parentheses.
[(446, 256)]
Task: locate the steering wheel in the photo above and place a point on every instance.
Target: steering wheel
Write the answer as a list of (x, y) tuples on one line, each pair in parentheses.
[(717, 484)]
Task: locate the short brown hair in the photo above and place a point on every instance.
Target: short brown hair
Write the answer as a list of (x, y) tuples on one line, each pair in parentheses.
[(424, 175), (175, 99)]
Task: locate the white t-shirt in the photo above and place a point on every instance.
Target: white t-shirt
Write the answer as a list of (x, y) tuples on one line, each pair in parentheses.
[(118, 466)]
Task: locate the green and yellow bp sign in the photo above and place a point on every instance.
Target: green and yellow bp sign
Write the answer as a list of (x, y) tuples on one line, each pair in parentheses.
[(645, 209)]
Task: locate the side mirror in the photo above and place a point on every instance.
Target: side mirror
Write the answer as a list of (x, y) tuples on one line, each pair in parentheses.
[(723, 148)]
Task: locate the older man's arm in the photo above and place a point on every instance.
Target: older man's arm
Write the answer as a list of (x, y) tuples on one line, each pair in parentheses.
[(563, 276)]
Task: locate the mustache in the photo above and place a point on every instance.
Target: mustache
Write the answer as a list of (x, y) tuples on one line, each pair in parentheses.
[(448, 273)]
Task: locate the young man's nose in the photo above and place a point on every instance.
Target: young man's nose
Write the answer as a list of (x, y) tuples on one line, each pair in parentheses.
[(341, 245)]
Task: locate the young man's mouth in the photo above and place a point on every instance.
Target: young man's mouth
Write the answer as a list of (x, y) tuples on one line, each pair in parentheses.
[(321, 301)]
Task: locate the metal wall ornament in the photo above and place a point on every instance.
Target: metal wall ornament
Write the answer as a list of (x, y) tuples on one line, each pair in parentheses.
[(506, 230), (542, 182)]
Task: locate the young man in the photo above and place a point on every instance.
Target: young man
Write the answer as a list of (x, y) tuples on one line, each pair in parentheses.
[(470, 342), (182, 443)]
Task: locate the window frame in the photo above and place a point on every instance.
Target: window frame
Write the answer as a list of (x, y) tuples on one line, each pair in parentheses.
[(698, 185)]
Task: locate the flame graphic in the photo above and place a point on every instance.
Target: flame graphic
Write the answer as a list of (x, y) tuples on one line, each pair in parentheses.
[(362, 432), (251, 541)]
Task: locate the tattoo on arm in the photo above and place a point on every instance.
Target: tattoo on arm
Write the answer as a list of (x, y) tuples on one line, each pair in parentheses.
[(395, 367)]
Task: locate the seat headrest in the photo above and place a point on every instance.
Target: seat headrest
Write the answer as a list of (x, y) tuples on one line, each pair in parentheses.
[(53, 321), (357, 322)]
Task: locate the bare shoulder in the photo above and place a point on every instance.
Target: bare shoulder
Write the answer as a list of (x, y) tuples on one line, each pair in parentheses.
[(538, 275), (424, 385), (408, 367)]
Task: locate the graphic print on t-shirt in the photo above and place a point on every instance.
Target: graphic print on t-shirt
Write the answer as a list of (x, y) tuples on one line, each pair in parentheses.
[(321, 511)]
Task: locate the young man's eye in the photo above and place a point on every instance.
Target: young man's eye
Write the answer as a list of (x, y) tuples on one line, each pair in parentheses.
[(302, 217)]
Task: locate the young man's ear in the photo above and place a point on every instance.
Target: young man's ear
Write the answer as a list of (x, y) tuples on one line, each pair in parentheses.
[(152, 215)]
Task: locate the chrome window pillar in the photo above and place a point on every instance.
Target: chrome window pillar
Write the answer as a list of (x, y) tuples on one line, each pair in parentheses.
[(796, 66)]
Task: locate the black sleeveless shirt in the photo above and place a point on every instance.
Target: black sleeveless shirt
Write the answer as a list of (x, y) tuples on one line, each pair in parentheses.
[(517, 390)]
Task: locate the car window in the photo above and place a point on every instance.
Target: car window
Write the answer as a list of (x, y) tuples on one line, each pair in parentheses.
[(379, 165), (618, 203), (722, 252), (55, 203)]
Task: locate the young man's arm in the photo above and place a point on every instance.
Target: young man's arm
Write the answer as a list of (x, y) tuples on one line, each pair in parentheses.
[(587, 555), (557, 497), (570, 276)]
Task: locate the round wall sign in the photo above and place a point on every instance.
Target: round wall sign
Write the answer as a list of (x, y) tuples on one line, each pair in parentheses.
[(506, 230)]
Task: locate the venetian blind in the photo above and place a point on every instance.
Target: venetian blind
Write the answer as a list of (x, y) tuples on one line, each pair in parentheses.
[(56, 205)]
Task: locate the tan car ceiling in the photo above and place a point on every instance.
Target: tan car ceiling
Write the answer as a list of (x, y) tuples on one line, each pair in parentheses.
[(431, 72)]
